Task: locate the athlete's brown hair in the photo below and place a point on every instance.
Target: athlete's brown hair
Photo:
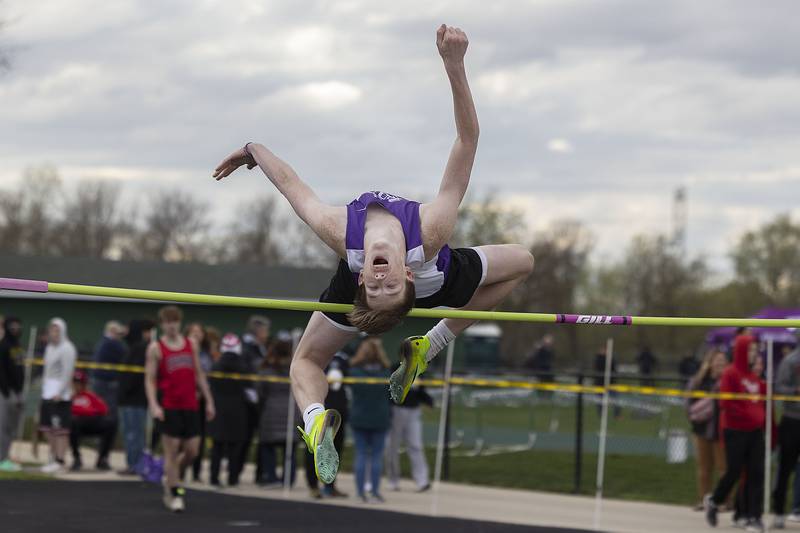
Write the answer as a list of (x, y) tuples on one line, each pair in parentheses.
[(375, 321), (170, 313)]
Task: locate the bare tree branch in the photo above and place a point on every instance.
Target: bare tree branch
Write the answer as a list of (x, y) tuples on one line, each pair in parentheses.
[(90, 219), (28, 215), (173, 228), (252, 235)]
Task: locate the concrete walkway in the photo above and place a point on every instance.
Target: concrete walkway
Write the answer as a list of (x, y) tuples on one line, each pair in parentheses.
[(463, 501)]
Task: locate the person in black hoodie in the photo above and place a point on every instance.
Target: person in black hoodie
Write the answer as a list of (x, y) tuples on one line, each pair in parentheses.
[(229, 428), (132, 399), (11, 382)]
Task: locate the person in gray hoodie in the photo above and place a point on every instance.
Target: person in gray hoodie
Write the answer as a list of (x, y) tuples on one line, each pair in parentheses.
[(787, 382)]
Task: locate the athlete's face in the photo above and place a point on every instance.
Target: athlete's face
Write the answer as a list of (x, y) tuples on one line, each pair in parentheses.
[(384, 276), (170, 328)]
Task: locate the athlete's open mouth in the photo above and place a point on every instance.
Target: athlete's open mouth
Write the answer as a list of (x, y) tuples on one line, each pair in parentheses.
[(380, 265)]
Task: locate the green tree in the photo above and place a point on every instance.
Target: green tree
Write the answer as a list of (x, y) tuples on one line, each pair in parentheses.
[(769, 258), (561, 255), (486, 221), (654, 279)]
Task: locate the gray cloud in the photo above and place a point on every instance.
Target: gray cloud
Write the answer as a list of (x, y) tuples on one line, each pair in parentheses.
[(648, 96)]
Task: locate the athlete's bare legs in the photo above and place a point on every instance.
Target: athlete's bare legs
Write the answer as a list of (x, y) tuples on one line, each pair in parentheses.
[(320, 341), (507, 266), (177, 457)]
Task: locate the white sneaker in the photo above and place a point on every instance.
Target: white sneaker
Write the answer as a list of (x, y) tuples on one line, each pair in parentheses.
[(172, 502), (178, 506), (52, 468), (779, 522)]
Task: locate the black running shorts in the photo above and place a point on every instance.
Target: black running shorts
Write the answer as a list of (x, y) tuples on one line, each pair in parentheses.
[(55, 416), (179, 423)]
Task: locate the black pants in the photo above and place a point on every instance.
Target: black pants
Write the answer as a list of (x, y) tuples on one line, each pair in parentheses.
[(788, 453), (94, 426), (252, 427), (744, 451), (231, 450), (268, 457), (198, 461), (311, 475)]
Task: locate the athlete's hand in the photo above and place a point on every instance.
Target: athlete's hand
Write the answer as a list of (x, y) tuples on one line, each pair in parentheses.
[(232, 162), (452, 43), (157, 412), (211, 412)]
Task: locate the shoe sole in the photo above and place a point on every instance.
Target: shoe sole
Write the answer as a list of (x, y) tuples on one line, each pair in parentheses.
[(399, 382), (327, 458)]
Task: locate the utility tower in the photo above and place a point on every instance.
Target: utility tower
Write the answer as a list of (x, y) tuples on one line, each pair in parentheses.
[(680, 215)]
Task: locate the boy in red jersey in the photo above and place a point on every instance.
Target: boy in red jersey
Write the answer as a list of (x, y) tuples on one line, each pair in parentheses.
[(172, 377)]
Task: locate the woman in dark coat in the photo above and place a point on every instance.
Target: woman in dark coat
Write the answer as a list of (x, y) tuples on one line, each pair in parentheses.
[(275, 399), (229, 428)]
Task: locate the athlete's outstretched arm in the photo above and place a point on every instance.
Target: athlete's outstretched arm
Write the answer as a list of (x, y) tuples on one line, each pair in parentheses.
[(327, 221), (439, 217)]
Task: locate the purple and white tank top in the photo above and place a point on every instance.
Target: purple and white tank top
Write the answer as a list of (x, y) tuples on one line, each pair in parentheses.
[(429, 276)]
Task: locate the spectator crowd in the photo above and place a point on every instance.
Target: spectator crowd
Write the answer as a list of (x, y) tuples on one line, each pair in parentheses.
[(239, 420), (249, 420), (729, 434)]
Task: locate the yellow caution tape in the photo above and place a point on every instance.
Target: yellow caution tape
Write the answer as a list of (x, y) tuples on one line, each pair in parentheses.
[(473, 382)]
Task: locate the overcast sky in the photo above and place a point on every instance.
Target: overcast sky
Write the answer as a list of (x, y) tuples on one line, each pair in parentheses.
[(595, 111)]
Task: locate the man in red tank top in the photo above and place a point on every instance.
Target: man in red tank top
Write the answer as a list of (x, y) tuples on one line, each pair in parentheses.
[(172, 377)]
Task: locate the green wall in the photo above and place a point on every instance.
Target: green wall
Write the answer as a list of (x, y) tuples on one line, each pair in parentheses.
[(85, 319)]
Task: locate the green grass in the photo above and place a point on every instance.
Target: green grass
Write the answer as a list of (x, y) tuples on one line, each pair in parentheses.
[(27, 476), (539, 417), (626, 477), (634, 476)]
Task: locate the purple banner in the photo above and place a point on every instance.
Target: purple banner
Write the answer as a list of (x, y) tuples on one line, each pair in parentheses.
[(600, 320), (28, 285)]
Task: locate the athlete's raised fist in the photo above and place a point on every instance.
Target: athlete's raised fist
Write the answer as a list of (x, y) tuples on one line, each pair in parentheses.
[(451, 42)]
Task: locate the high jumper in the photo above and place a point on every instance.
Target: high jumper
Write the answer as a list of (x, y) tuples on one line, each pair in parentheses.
[(393, 256)]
